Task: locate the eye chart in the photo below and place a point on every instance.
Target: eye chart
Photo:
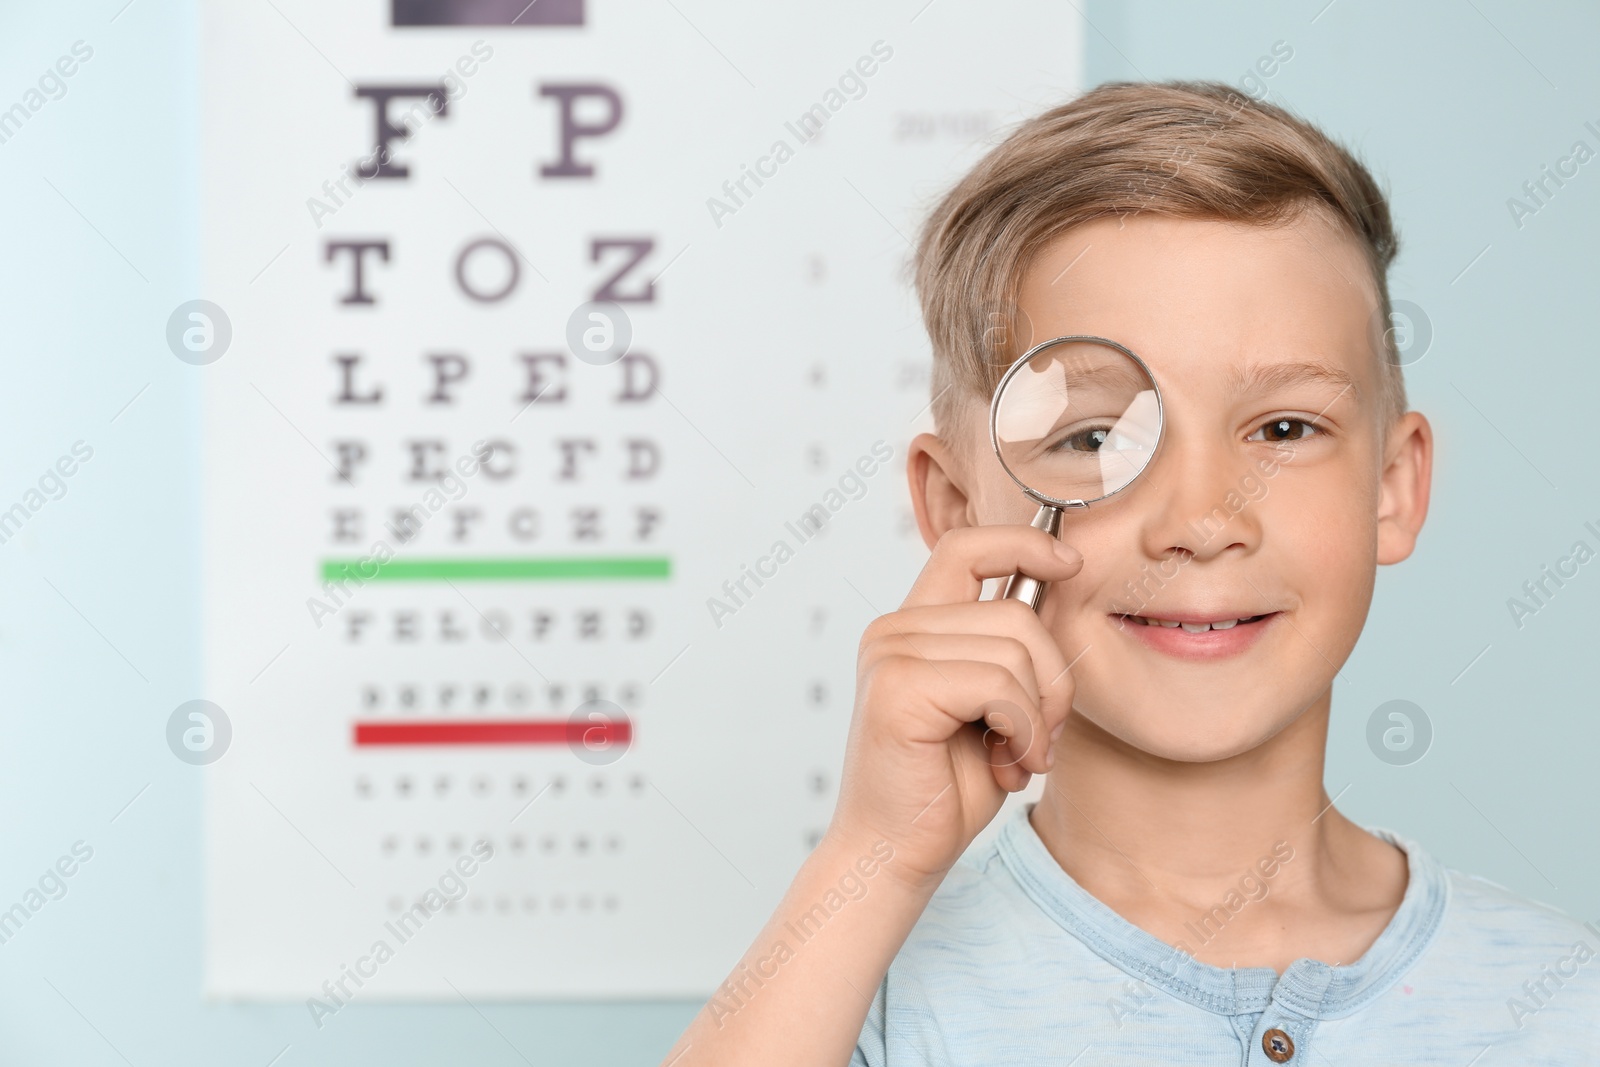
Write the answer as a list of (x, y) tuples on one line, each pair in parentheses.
[(557, 368)]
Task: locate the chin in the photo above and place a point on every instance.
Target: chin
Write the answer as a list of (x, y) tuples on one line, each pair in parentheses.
[(1190, 727)]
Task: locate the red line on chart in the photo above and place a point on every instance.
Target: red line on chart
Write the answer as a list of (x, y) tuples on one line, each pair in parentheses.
[(495, 732)]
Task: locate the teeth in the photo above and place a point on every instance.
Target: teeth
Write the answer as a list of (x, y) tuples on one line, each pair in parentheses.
[(1192, 627)]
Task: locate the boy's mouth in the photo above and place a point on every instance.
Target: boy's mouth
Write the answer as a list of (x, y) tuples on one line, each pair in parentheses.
[(1203, 636), (1190, 624)]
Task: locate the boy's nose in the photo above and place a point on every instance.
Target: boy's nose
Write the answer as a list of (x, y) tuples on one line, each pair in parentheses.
[(1202, 502)]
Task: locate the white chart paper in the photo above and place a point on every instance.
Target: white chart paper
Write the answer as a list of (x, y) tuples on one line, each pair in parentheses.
[(381, 726)]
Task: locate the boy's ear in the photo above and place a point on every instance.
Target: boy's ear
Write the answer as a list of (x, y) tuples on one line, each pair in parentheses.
[(936, 474), (1403, 486)]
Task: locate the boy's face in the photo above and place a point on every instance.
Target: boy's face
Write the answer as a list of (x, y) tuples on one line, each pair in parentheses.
[(1273, 496)]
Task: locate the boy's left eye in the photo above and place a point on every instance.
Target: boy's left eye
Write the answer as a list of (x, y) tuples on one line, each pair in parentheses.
[(1284, 430)]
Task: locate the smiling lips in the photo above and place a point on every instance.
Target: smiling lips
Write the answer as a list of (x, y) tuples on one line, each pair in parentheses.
[(1196, 636), (1193, 627)]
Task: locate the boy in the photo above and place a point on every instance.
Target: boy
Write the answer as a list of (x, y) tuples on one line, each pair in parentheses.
[(1185, 892)]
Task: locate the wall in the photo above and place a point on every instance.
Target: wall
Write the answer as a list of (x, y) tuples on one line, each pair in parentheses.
[(1456, 106)]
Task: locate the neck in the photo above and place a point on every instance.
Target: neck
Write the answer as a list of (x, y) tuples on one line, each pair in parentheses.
[(1135, 828)]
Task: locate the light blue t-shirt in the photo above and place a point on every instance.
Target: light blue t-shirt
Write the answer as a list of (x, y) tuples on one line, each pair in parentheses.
[(1014, 963)]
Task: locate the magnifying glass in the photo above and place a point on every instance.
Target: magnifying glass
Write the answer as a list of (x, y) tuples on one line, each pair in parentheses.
[(1074, 421)]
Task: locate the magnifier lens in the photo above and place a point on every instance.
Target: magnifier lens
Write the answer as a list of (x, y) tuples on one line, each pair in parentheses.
[(1077, 421)]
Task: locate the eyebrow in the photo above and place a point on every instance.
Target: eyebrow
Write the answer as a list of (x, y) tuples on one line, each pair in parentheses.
[(1107, 373), (1268, 376)]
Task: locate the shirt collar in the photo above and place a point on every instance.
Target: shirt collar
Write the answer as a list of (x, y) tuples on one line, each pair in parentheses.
[(1309, 987)]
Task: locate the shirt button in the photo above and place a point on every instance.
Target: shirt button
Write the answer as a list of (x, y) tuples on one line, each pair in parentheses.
[(1278, 1046)]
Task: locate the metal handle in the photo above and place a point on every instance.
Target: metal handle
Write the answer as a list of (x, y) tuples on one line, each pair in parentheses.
[(1021, 587)]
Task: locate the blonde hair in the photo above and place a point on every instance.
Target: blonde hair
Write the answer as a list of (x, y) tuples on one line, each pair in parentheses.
[(1182, 149)]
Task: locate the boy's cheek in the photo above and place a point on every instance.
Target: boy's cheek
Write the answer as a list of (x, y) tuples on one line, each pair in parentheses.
[(1073, 609), (1321, 539), (1327, 524)]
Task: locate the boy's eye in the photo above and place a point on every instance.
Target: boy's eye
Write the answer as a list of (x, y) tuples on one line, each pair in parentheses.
[(1090, 439), (1087, 440), (1284, 430)]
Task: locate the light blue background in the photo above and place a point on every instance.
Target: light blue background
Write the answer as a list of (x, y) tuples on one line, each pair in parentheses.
[(1454, 105)]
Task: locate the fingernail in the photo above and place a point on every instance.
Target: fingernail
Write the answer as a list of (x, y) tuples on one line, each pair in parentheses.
[(1067, 553), (1050, 757), (1055, 735)]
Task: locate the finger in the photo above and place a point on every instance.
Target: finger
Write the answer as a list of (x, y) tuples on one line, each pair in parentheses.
[(1000, 717), (966, 555), (1007, 773), (1012, 777), (973, 757), (1016, 737), (1008, 618), (1050, 705), (1008, 652), (939, 698)]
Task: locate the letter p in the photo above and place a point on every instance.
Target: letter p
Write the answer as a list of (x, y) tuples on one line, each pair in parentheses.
[(573, 128)]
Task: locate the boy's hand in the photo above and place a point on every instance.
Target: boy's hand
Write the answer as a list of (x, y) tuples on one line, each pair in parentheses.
[(957, 701)]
